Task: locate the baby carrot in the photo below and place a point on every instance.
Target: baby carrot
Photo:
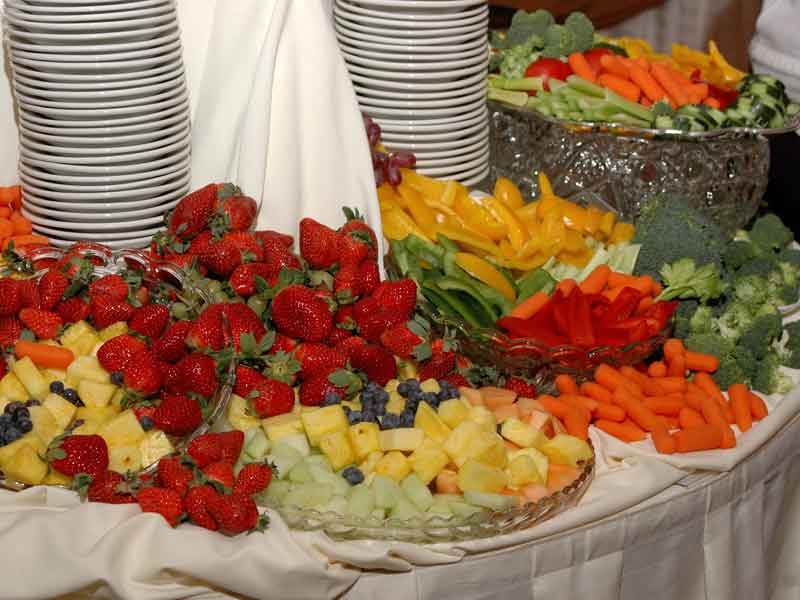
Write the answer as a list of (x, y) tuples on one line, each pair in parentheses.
[(617, 280), (611, 379), (581, 67), (712, 413), (613, 65), (695, 439), (673, 87), (657, 369), (44, 355), (530, 306), (697, 361), (625, 88), (644, 80), (688, 418), (672, 384), (740, 404), (646, 102), (697, 92), (596, 281), (649, 386), (596, 391), (638, 412), (694, 400), (576, 423), (558, 408), (6, 229), (10, 195), (662, 440), (664, 405), (712, 102), (566, 384), (709, 386), (758, 408), (571, 401), (672, 348), (589, 404), (566, 286), (623, 431), (610, 412), (677, 366)]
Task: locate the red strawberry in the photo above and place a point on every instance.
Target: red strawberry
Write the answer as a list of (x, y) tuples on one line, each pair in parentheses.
[(220, 472), (9, 297), (438, 366), (144, 411), (197, 502), (243, 278), (313, 391), (171, 346), (299, 314), (271, 397), (247, 244), (187, 262), (318, 359), (457, 380), (207, 331), (222, 258), (173, 474), (168, 503), (279, 259), (523, 387), (372, 326), (274, 239), (177, 414), (173, 380), (105, 312), (319, 244), (241, 211), (347, 346), (353, 248), (200, 371), (246, 379), (338, 335), (143, 373), (344, 317), (201, 244), (108, 487), (43, 323), (369, 275), (399, 295), (243, 320), (75, 454), (10, 330), (253, 478), (109, 287), (118, 352), (364, 309), (150, 320), (346, 283), (236, 513), (191, 214), (231, 442), (405, 343), (205, 449), (283, 343), (29, 294), (73, 310), (376, 362), (356, 226), (51, 287)]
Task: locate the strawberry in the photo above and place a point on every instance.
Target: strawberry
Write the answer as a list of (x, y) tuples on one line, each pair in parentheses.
[(9, 297), (52, 286), (149, 320), (246, 379), (356, 226), (230, 443), (399, 295), (243, 320), (319, 244), (171, 346), (177, 414), (143, 374), (29, 294), (73, 454), (313, 391), (173, 474), (43, 323), (201, 244), (222, 258), (118, 351), (372, 326), (187, 262), (353, 248), (299, 314), (247, 244), (364, 309), (405, 343), (369, 276), (338, 335), (456, 380), (235, 513), (197, 502), (168, 503), (173, 380), (253, 478), (282, 343), (318, 359), (344, 317), (109, 287), (279, 259), (105, 312), (221, 473), (73, 309), (347, 346), (191, 214), (240, 211), (10, 330), (108, 487), (523, 387), (375, 362), (438, 366), (200, 371), (271, 397), (143, 411), (243, 278), (207, 330), (274, 239), (205, 449), (346, 283)]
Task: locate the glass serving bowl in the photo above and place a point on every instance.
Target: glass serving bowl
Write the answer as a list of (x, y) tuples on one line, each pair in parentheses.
[(169, 278), (723, 173), (436, 528)]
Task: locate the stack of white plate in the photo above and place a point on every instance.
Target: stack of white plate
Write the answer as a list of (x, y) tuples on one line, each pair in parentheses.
[(419, 70), (103, 116)]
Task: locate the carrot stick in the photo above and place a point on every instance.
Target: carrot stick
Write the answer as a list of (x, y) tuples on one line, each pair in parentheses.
[(596, 391), (657, 369), (673, 87), (697, 361), (672, 384), (566, 384), (612, 293), (712, 413), (611, 379), (671, 423), (623, 87), (576, 423), (566, 286), (618, 280), (558, 408), (649, 386), (627, 431), (614, 65), (638, 412), (610, 412), (641, 61), (530, 306), (688, 418), (695, 439), (44, 355), (581, 67), (664, 405), (709, 386), (646, 102), (740, 404), (672, 348), (758, 408), (677, 366), (662, 440), (10, 195), (644, 80), (697, 92), (712, 102), (596, 281)]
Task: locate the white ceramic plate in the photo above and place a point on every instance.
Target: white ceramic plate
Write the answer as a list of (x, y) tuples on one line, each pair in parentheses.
[(86, 199), (420, 113), (368, 100), (382, 45), (98, 86), (151, 202), (121, 15), (412, 137), (481, 58), (93, 27), (422, 125), (66, 232), (176, 91), (144, 91), (49, 147), (439, 146), (466, 147), (478, 151), (104, 170), (116, 226), (435, 38), (94, 78), (156, 123), (147, 33), (93, 184), (397, 33), (117, 141), (77, 48), (459, 170), (108, 159), (389, 22), (368, 90), (118, 67), (416, 86), (114, 215), (168, 45), (420, 59), (111, 116), (472, 180), (407, 15), (84, 7), (407, 5), (443, 76)]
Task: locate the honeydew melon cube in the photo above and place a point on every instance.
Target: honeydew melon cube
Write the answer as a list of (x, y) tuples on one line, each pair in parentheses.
[(30, 376), (541, 460), (280, 426), (112, 331), (563, 449), (62, 410), (428, 421), (367, 466), (428, 460), (300, 473), (364, 438), (406, 439), (404, 509), (320, 423), (256, 444), (386, 491), (12, 389), (523, 470), (308, 495), (122, 430), (298, 441), (463, 510), (483, 417), (26, 466), (440, 508), (44, 424), (276, 490), (417, 491), (378, 513), (394, 465), (452, 412), (337, 504), (124, 458), (80, 337), (458, 442), (319, 460), (153, 446), (284, 458), (362, 501), (476, 476), (497, 502), (238, 416), (87, 368), (396, 403), (336, 447), (96, 394), (522, 434), (322, 475)]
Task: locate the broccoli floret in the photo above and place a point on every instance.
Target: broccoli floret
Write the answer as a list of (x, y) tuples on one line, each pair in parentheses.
[(735, 320), (790, 272), (738, 253), (790, 255), (788, 346), (750, 290), (516, 60), (788, 294), (669, 229), (582, 28), (769, 233), (729, 371), (682, 318), (763, 331), (768, 378), (702, 321), (525, 24), (559, 41), (683, 279), (762, 266)]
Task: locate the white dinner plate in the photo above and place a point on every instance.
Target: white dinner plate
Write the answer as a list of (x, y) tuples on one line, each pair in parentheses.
[(397, 32), (133, 243), (421, 125), (116, 141), (458, 172), (65, 232), (468, 96), (112, 116), (412, 137), (408, 15), (111, 149), (167, 45), (420, 113), (156, 123), (440, 145), (78, 48), (479, 150), (114, 215), (121, 15), (147, 33), (411, 57), (477, 42), (84, 199), (442, 76), (421, 5), (82, 170), (112, 161), (390, 20), (436, 39), (473, 144), (143, 91), (98, 86), (79, 185), (175, 92), (481, 58), (367, 90), (116, 226), (95, 78), (126, 25), (83, 7), (419, 86), (119, 67)]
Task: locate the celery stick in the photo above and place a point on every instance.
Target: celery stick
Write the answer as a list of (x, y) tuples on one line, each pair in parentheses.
[(526, 84), (626, 119), (585, 87), (555, 84), (508, 96), (631, 108)]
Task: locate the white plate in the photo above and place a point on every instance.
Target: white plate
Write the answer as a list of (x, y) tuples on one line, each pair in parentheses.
[(78, 48), (479, 150), (117, 141), (463, 148), (395, 31), (367, 100), (388, 21), (109, 159), (367, 90), (176, 91), (95, 78), (102, 184), (119, 215), (457, 171), (407, 15), (402, 6), (61, 150), (98, 86), (415, 137), (478, 42), (147, 202), (134, 243), (445, 75), (88, 38), (112, 116), (104, 170), (144, 91), (411, 57), (121, 15), (441, 145), (155, 123), (171, 43), (73, 8), (128, 67), (416, 86), (95, 26), (85, 199), (392, 38), (479, 177), (420, 113), (481, 58), (108, 226), (96, 236), (421, 125)]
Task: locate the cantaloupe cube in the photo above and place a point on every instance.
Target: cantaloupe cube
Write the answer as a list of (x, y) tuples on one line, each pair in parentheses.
[(506, 411), (542, 421), (560, 476), (428, 460), (238, 416), (394, 465), (535, 492), (447, 482), (44, 424), (26, 466), (280, 426), (483, 417), (471, 395), (323, 421), (522, 434), (112, 331), (122, 430), (62, 410), (30, 376), (336, 447), (124, 458), (428, 421), (453, 411), (479, 477), (93, 393), (495, 396), (525, 406), (406, 439), (80, 337), (11, 388), (364, 438), (566, 449)]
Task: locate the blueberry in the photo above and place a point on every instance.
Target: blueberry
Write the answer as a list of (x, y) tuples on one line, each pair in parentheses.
[(57, 387), (353, 475), (70, 395), (12, 434), (21, 413), (368, 416), (331, 398), (404, 388), (116, 378), (390, 421), (353, 417), (32, 402), (24, 425), (346, 409), (5, 419), (429, 397), (407, 418), (382, 396), (380, 409), (12, 406), (146, 423)]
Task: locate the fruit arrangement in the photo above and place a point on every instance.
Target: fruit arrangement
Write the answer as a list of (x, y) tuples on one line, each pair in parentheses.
[(574, 75)]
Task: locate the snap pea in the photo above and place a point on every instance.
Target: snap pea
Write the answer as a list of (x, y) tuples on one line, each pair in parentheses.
[(535, 281), (450, 304), (430, 253), (446, 243), (486, 293), (453, 284)]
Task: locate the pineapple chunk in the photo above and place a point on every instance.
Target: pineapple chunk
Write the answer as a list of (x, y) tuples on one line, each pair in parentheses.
[(238, 416), (30, 439), (96, 394), (393, 464), (483, 417), (364, 438), (124, 458), (87, 368), (523, 470), (117, 398), (428, 421), (564, 449), (477, 477), (153, 446), (459, 440), (522, 434), (44, 424), (11, 387), (391, 385), (336, 447), (489, 449), (3, 402), (396, 403), (406, 369), (55, 478), (51, 375), (31, 378), (80, 337), (403, 438), (112, 331), (368, 465), (62, 410), (542, 462), (26, 466), (122, 430), (430, 385), (87, 428), (323, 421), (428, 460), (453, 411), (98, 414), (280, 426)]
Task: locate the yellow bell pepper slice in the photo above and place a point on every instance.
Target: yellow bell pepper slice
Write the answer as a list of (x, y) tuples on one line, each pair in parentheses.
[(507, 192), (545, 189), (517, 232), (549, 204), (527, 264), (531, 247), (593, 217), (483, 271), (577, 259), (479, 218), (622, 232), (528, 212), (441, 208), (397, 225), (607, 224), (423, 215), (469, 239), (452, 189), (506, 250), (427, 186), (387, 192), (574, 216), (731, 74), (573, 241), (685, 55)]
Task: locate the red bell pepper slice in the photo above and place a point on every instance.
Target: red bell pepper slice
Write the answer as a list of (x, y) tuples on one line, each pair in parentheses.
[(661, 311), (581, 330), (623, 306), (561, 314), (725, 97)]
